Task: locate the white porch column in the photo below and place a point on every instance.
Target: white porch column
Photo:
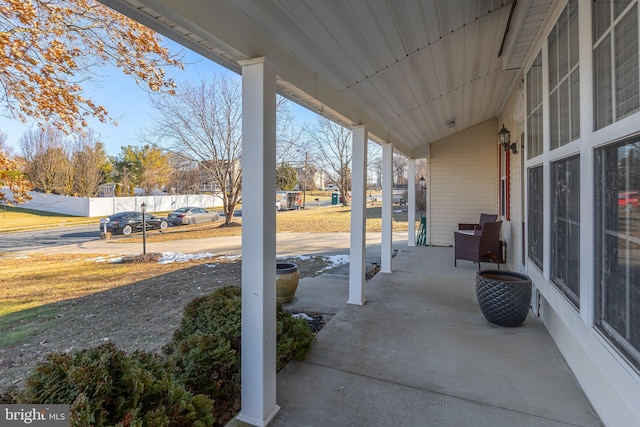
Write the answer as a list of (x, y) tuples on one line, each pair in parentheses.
[(387, 208), (258, 242), (357, 253), (411, 203)]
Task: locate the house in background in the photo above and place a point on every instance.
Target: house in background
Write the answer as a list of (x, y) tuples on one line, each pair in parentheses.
[(439, 80)]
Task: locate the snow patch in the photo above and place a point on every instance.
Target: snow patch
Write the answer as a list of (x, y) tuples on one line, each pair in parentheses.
[(336, 261), (230, 257), (169, 257)]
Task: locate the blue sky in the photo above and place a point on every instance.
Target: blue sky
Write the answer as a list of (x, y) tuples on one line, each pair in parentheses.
[(129, 105)]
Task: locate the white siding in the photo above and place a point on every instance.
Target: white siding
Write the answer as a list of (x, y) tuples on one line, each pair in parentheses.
[(463, 180)]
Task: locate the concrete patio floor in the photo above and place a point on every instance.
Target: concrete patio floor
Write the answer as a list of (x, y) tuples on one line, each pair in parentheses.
[(420, 353)]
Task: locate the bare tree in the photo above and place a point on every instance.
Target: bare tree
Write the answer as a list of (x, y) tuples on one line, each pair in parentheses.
[(290, 147), (88, 161), (46, 159), (185, 176), (4, 145), (202, 123), (374, 164), (332, 146), (400, 169)]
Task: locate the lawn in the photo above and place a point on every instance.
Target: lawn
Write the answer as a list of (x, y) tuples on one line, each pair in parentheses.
[(332, 219), (16, 219), (31, 282)]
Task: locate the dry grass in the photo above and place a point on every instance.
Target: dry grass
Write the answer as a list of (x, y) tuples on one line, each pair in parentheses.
[(333, 219), (36, 280), (15, 219)]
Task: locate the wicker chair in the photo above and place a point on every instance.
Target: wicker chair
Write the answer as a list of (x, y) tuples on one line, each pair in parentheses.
[(483, 218), (480, 246)]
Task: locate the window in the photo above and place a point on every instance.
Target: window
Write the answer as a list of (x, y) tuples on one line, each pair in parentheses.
[(534, 108), (564, 78), (535, 215), (615, 60), (565, 227), (617, 245)]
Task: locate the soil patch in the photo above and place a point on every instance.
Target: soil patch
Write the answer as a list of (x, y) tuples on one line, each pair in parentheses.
[(139, 316)]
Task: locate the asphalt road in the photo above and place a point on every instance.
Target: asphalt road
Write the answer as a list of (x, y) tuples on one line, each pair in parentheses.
[(86, 240), (51, 237)]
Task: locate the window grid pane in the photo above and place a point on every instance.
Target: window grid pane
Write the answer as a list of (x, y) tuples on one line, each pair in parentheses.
[(553, 57), (626, 64), (534, 108), (535, 217), (603, 109), (617, 245), (616, 70), (575, 105), (601, 12), (563, 51), (619, 6), (574, 36), (554, 125), (565, 227), (564, 103), (563, 43)]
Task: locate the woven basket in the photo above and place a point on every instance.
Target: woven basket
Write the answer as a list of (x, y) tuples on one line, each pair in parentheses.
[(504, 296)]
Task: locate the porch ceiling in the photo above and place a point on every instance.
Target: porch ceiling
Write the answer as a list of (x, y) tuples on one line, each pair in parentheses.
[(403, 68)]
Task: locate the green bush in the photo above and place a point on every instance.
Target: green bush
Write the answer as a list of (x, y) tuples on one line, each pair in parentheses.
[(218, 312), (105, 387), (294, 338), (196, 384), (205, 348)]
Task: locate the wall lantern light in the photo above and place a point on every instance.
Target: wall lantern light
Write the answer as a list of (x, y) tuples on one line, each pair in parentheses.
[(505, 140)]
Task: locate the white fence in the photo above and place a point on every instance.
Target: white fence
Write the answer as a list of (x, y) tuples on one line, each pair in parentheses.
[(104, 206)]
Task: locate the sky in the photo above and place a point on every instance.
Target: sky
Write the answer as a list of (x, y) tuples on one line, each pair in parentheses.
[(129, 105)]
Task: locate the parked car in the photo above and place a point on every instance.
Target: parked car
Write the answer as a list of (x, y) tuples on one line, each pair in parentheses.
[(192, 215), (130, 222), (331, 187), (629, 199)]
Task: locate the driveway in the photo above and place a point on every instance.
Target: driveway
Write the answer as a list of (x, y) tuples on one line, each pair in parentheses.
[(287, 244)]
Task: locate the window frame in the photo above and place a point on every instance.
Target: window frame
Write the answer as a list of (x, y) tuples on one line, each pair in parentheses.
[(606, 77), (564, 78), (563, 229), (535, 216), (612, 244)]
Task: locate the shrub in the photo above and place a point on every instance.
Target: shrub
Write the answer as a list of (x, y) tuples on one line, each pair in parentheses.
[(205, 349), (294, 338), (197, 384), (207, 364), (105, 386), (218, 312)]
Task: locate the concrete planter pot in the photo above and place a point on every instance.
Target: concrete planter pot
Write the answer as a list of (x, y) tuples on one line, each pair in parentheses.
[(504, 296), (287, 279)]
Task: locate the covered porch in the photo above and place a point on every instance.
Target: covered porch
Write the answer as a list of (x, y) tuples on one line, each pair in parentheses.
[(436, 80), (420, 353)]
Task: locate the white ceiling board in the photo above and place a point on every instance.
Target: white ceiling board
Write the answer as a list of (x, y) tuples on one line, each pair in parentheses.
[(403, 68), (416, 25), (388, 27)]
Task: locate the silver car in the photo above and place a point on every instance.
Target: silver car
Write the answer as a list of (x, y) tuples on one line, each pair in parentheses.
[(192, 215)]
